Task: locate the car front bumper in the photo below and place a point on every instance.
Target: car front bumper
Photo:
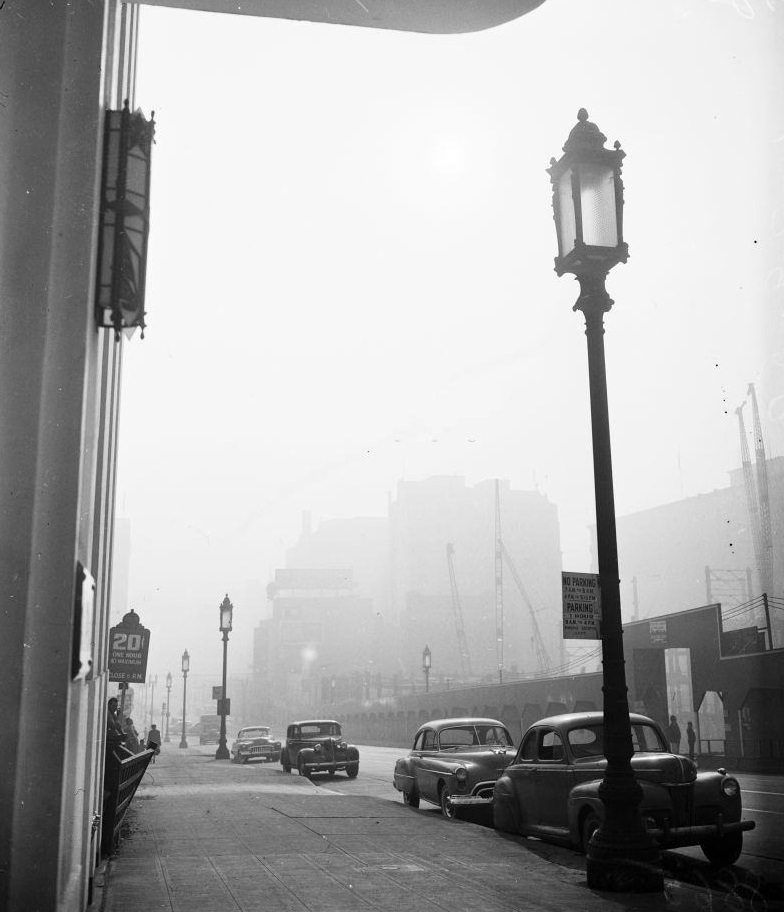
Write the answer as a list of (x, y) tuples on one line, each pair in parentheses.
[(470, 800), (673, 837), (326, 765)]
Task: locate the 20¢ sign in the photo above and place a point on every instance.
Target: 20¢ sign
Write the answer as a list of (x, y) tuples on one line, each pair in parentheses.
[(129, 644)]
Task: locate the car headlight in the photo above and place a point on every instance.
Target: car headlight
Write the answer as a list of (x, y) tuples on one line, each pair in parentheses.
[(343, 746), (730, 787), (317, 748), (461, 774), (277, 745)]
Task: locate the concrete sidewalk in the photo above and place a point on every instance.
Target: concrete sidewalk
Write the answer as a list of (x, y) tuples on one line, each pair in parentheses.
[(208, 836)]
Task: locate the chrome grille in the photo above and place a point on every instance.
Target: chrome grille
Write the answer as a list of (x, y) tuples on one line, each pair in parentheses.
[(682, 798)]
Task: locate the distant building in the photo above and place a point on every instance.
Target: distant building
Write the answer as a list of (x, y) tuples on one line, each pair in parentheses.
[(699, 550), (427, 516), (318, 645)]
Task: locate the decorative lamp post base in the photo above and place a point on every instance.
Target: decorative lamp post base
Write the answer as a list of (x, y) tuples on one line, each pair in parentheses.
[(621, 857), (222, 753), (183, 743), (619, 872)]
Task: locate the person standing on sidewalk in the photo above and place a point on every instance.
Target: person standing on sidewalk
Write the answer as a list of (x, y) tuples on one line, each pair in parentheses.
[(674, 735), (691, 737)]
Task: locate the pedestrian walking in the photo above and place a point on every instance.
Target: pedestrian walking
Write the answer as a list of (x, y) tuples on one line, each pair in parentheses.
[(154, 741), (691, 737), (674, 735)]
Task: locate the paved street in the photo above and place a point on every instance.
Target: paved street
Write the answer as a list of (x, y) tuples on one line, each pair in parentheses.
[(214, 836)]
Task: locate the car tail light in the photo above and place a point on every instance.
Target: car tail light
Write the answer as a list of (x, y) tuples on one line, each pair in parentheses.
[(730, 787)]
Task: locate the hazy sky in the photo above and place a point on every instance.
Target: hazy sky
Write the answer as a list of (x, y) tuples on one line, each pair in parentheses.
[(351, 278)]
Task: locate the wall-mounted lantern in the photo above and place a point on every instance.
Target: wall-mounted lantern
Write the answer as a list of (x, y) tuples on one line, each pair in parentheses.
[(124, 221)]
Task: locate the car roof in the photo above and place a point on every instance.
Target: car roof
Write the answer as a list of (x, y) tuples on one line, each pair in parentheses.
[(316, 722), (567, 720), (260, 725), (463, 720)]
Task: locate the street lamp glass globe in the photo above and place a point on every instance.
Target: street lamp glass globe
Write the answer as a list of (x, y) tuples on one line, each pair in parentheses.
[(226, 612), (186, 661)]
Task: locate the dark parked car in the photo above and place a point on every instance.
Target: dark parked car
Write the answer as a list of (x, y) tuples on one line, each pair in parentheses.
[(318, 746), (255, 743), (550, 790), (454, 764)]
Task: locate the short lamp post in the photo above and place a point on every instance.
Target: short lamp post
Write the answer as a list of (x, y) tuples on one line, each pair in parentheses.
[(186, 667), (226, 612), (427, 660), (168, 698), (588, 212)]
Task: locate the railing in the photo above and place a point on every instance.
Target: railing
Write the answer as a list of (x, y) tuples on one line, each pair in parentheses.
[(122, 776)]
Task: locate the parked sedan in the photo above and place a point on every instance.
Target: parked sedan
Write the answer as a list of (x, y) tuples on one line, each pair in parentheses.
[(550, 790), (318, 746), (255, 743), (454, 764)]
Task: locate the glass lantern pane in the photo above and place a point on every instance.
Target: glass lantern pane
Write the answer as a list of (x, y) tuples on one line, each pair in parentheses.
[(567, 228), (597, 198)]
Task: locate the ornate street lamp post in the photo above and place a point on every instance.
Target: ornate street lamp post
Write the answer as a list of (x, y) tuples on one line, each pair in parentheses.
[(186, 666), (588, 212), (226, 612), (168, 697), (153, 682), (426, 663)]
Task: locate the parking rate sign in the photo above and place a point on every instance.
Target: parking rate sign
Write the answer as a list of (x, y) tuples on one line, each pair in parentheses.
[(582, 606), (129, 643)]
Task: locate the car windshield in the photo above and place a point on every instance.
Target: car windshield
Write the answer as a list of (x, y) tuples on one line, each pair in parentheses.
[(257, 732), (588, 740), (461, 737), (320, 730)]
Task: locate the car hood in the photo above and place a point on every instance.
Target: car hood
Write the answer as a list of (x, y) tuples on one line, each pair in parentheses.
[(665, 768)]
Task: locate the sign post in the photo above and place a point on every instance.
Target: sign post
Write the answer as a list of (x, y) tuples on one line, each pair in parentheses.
[(582, 607), (129, 644)]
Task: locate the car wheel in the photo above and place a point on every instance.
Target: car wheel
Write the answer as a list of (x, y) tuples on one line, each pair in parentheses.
[(590, 826), (301, 768), (411, 799), (447, 808), (723, 851), (352, 770)]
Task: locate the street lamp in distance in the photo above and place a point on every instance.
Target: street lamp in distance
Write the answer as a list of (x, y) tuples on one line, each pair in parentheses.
[(226, 614), (168, 698), (186, 667), (427, 660), (588, 213)]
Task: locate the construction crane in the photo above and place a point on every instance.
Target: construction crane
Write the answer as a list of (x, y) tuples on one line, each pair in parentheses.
[(763, 500), (542, 655), (499, 587), (501, 555), (462, 643), (752, 503)]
